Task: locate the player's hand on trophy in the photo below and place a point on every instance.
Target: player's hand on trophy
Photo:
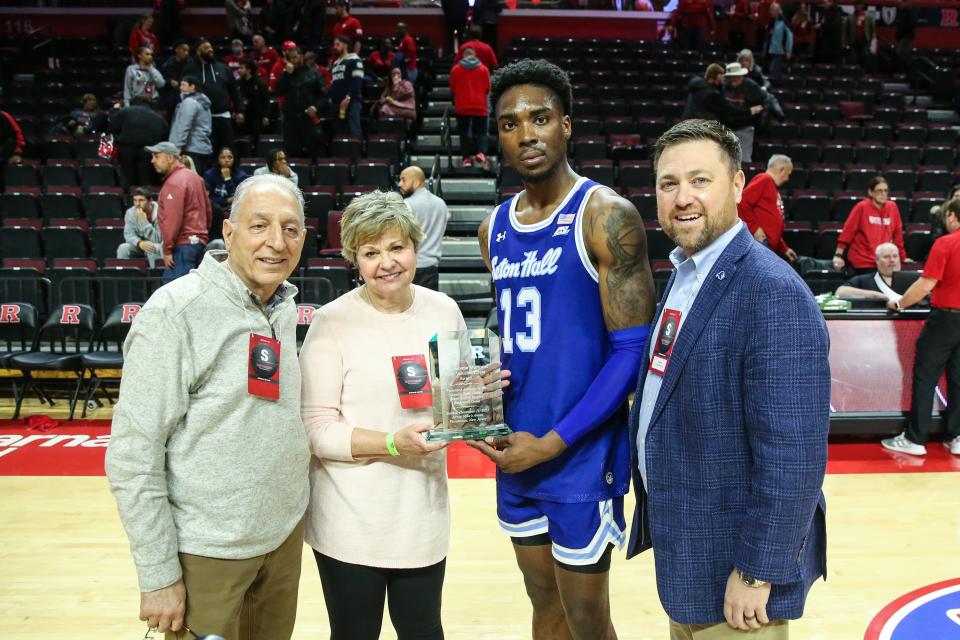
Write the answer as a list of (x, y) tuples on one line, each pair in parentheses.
[(521, 450), (494, 380)]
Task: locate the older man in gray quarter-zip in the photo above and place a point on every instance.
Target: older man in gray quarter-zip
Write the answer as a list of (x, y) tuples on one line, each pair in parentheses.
[(208, 458)]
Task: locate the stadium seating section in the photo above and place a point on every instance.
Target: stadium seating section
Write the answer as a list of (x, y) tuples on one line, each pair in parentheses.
[(61, 212)]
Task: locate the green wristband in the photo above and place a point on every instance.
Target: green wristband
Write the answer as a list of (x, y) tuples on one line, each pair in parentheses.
[(391, 445)]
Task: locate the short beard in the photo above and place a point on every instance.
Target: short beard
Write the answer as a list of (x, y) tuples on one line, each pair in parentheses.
[(710, 232), (699, 244)]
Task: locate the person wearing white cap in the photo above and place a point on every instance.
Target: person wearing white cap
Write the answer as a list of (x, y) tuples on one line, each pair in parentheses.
[(743, 92)]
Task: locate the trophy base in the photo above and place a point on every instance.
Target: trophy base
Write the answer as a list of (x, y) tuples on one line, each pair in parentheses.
[(468, 433)]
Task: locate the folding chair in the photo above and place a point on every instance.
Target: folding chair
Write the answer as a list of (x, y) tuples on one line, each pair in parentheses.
[(107, 353), (68, 334)]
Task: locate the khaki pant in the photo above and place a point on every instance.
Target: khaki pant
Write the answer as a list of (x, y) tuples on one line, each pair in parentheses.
[(243, 599), (776, 630)]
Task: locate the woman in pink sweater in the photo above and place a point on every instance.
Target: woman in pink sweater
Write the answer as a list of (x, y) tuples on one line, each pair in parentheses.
[(379, 513)]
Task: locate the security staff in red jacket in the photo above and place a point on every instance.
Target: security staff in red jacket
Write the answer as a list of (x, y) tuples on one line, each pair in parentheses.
[(938, 346)]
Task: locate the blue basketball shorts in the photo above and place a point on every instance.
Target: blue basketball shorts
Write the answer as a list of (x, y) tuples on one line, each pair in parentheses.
[(579, 533)]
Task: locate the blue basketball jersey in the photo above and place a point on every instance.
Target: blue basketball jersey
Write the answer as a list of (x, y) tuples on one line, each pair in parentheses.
[(554, 342)]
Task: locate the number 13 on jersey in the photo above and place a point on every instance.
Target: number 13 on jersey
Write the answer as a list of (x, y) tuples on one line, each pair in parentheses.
[(527, 300)]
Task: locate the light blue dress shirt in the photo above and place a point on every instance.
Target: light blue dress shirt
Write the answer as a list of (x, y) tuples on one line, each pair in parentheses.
[(691, 273)]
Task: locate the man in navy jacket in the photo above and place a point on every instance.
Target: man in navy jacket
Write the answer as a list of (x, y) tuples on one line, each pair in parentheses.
[(731, 415)]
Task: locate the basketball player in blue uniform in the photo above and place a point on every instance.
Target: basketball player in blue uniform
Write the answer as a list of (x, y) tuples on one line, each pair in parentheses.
[(574, 295)]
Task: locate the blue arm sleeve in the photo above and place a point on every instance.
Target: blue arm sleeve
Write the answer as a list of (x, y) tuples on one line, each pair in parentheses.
[(610, 388)]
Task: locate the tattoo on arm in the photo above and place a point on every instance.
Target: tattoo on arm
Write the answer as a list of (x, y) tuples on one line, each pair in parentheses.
[(630, 292)]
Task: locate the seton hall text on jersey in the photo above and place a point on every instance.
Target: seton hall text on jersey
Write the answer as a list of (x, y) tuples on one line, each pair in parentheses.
[(529, 267)]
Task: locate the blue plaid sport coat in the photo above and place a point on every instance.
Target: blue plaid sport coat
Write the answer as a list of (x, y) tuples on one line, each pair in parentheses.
[(736, 449)]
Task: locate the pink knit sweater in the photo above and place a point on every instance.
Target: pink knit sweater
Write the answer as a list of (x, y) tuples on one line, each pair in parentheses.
[(385, 512)]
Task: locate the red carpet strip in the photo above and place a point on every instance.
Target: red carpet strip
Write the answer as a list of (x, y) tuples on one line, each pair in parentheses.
[(41, 446)]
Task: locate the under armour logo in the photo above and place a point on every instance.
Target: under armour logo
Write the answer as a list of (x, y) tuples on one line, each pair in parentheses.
[(721, 275), (501, 236)]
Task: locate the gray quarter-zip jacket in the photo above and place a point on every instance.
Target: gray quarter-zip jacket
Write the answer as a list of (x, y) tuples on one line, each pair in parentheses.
[(197, 465)]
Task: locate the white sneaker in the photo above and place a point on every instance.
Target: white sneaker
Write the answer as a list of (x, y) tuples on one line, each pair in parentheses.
[(900, 444), (953, 446)]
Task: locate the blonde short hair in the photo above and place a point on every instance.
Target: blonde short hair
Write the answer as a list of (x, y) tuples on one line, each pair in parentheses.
[(371, 215)]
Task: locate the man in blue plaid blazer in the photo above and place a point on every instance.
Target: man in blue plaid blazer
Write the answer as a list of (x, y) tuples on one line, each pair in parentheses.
[(730, 418)]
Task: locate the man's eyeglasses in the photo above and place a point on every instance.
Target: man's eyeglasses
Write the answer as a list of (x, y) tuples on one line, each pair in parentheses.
[(152, 634)]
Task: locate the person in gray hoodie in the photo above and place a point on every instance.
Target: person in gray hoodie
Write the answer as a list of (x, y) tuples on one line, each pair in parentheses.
[(141, 229), (142, 78), (192, 124), (218, 83), (208, 456)]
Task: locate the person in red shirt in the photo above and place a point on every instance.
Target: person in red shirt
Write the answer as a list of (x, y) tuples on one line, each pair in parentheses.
[(859, 31), (761, 207), (280, 65), (142, 35), (470, 84), (264, 56), (481, 49), (185, 212), (763, 15), (407, 47), (690, 23), (938, 345), (740, 24), (347, 26), (379, 63), (802, 26), (12, 143), (236, 57), (872, 222)]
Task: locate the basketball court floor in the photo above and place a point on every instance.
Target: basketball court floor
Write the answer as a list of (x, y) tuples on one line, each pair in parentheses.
[(66, 574)]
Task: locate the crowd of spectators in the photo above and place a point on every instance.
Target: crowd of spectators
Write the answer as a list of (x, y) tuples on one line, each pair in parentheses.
[(742, 97), (268, 83), (823, 30), (180, 91)]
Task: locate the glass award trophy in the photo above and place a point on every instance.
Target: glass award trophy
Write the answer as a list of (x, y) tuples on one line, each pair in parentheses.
[(467, 399)]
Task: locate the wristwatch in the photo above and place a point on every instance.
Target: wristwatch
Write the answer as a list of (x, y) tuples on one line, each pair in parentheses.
[(899, 307), (750, 581)]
